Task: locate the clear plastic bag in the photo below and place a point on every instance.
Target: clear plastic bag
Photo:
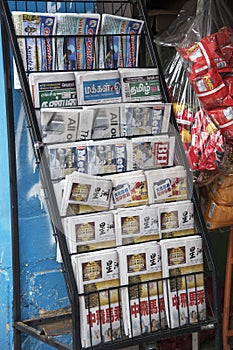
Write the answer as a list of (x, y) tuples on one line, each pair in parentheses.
[(200, 81)]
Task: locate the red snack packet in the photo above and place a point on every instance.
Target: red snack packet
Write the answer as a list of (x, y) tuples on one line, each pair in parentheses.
[(196, 63), (210, 48), (223, 119), (214, 152), (202, 129), (228, 81), (211, 90), (224, 37)]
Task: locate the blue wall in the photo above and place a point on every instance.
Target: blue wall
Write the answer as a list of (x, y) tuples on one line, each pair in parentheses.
[(5, 229), (42, 283)]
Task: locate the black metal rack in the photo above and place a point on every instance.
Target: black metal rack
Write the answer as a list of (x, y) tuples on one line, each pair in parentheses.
[(47, 328)]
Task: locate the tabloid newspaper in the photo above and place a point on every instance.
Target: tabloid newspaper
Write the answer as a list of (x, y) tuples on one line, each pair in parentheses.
[(139, 84), (36, 45), (176, 219), (137, 225), (59, 124), (91, 193), (53, 89), (95, 87), (78, 52), (128, 190), (142, 300), (145, 118), (119, 50), (167, 184), (150, 152), (184, 294), (94, 158), (89, 232), (97, 276)]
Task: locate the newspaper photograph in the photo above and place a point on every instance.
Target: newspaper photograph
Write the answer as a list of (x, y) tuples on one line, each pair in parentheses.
[(108, 156)]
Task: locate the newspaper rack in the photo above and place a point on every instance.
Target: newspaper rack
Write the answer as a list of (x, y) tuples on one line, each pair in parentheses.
[(47, 328)]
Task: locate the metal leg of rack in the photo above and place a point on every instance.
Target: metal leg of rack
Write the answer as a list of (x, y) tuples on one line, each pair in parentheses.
[(228, 294), (195, 341)]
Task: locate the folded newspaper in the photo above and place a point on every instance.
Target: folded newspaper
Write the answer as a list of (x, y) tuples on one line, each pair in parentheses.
[(167, 184), (148, 118), (139, 84), (94, 87), (150, 152), (53, 89), (128, 190), (119, 41), (97, 276), (82, 189), (78, 51), (36, 44), (184, 292), (176, 219), (59, 124), (142, 299), (94, 158), (90, 232), (137, 225)]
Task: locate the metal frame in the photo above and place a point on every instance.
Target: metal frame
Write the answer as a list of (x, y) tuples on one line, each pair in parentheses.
[(30, 327)]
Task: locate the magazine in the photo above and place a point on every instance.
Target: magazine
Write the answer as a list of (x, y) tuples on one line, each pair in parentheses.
[(167, 184), (176, 220), (119, 50), (59, 124), (97, 276), (128, 190), (78, 52), (137, 225), (36, 45), (184, 293), (145, 118), (150, 152), (94, 158), (53, 89), (83, 189), (90, 232), (142, 299), (98, 87), (139, 84)]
